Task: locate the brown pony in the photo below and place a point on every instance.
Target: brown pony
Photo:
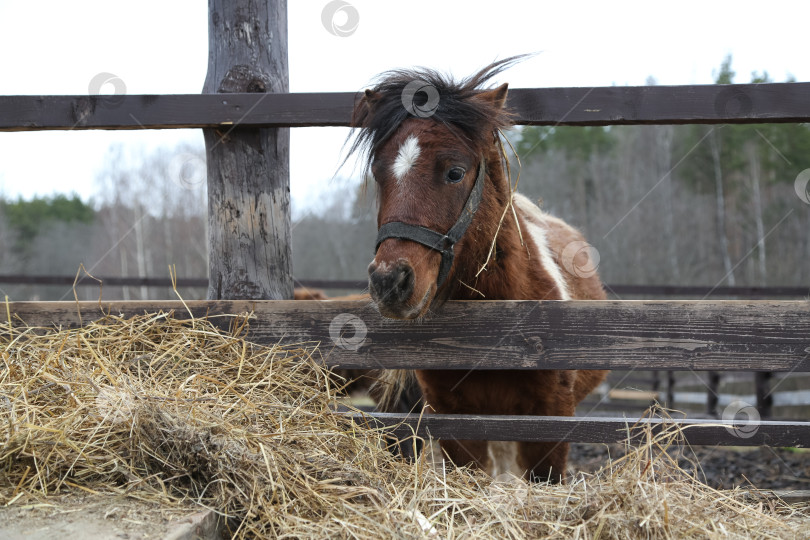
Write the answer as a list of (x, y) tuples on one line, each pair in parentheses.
[(451, 227)]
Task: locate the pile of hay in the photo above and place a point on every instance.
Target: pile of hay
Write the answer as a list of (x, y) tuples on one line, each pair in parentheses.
[(175, 411)]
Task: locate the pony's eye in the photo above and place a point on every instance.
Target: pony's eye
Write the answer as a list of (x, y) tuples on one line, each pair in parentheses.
[(455, 175)]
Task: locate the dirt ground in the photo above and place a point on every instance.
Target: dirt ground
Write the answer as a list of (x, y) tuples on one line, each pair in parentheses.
[(720, 467), (96, 517)]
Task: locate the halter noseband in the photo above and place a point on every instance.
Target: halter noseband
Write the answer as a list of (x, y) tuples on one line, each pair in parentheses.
[(443, 243)]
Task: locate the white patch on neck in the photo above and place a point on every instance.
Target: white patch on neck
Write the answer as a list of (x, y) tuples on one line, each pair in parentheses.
[(538, 234), (406, 158)]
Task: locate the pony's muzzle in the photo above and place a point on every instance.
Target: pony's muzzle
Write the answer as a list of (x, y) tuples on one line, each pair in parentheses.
[(391, 286)]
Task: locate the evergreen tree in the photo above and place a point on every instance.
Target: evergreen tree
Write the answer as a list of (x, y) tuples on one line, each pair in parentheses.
[(27, 219)]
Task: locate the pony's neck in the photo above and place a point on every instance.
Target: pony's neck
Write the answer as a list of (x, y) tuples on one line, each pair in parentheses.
[(502, 264)]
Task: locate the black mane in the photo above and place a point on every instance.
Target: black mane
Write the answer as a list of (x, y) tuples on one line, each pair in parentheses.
[(380, 113)]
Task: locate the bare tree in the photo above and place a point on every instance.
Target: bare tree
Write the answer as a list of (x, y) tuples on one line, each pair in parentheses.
[(720, 208)]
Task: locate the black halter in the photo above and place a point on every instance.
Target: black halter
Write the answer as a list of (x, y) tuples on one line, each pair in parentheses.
[(443, 243)]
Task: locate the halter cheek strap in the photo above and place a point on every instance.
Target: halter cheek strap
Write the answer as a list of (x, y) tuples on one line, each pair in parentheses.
[(443, 243)]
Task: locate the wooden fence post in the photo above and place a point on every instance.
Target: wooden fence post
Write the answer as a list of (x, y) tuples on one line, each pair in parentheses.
[(671, 389), (249, 253), (763, 391), (712, 396)]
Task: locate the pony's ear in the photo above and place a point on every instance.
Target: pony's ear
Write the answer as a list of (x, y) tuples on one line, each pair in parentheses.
[(369, 99), (496, 96), (364, 107)]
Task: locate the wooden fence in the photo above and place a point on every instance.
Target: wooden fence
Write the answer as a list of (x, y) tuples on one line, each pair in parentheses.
[(246, 100), (622, 393), (617, 290)]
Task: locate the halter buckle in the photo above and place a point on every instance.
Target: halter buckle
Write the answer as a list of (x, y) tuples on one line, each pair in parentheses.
[(447, 244)]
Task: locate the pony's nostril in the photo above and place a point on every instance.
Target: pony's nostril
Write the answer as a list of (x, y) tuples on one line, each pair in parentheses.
[(394, 286), (405, 280)]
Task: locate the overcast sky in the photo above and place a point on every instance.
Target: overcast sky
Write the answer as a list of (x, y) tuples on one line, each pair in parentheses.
[(160, 47)]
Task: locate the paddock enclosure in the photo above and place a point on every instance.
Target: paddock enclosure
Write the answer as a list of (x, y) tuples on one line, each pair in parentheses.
[(245, 101)]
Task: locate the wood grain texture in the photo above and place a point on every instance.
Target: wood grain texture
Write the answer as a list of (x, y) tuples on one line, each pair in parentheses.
[(107, 281), (177, 111), (587, 429), (249, 228), (655, 335), (790, 496), (695, 104), (674, 291)]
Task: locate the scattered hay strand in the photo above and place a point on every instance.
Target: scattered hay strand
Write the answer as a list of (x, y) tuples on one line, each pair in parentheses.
[(177, 411)]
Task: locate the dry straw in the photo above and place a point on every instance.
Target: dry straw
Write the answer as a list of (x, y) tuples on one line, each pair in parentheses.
[(175, 411)]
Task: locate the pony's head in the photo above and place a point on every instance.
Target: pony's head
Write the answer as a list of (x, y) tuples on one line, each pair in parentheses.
[(427, 140)]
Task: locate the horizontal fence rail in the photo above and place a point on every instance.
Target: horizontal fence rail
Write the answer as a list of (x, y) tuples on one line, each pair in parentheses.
[(647, 290), (588, 429), (633, 334), (706, 291), (85, 281), (695, 104), (781, 398)]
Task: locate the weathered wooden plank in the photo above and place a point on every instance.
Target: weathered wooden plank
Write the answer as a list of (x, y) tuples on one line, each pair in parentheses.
[(790, 496), (37, 113), (637, 395), (738, 103), (588, 429), (591, 407), (654, 335), (706, 291), (114, 281), (673, 291), (779, 398), (695, 104)]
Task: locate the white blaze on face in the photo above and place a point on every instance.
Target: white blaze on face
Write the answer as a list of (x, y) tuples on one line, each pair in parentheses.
[(406, 158)]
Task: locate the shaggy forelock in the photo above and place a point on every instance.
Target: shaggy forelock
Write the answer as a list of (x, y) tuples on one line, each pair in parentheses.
[(473, 121)]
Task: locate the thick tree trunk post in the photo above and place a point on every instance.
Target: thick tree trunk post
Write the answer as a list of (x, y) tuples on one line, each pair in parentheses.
[(720, 203), (248, 169), (756, 173)]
